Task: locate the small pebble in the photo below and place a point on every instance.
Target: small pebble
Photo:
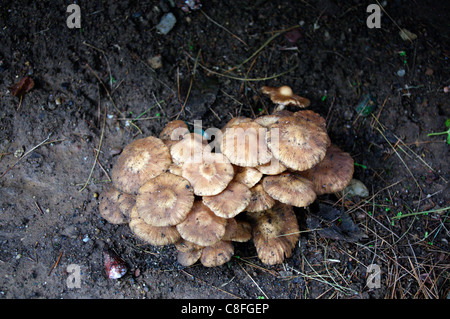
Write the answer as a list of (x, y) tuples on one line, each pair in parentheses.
[(166, 24)]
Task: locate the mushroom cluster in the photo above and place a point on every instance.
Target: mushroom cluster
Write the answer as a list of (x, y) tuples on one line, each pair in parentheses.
[(174, 189)]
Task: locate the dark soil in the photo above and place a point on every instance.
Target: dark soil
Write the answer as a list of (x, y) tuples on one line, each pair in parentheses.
[(49, 220)]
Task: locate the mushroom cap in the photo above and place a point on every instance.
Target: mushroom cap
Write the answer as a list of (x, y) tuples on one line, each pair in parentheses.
[(249, 176), (230, 202), (188, 258), (202, 226), (210, 176), (275, 233), (165, 200), (190, 148), (217, 254), (237, 230), (299, 144), (269, 119), (140, 161), (274, 167), (260, 200), (235, 121), (174, 130), (333, 173), (311, 116), (285, 96), (290, 189), (244, 144), (156, 236), (185, 246), (115, 206)]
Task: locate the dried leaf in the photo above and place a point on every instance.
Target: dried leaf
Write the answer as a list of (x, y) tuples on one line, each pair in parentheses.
[(23, 86)]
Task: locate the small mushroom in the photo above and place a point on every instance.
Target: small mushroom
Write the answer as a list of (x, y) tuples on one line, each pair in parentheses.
[(237, 230), (274, 167), (174, 130), (299, 144), (188, 258), (153, 235), (275, 233), (269, 119), (115, 206), (290, 189), (311, 116), (190, 148), (165, 200), (260, 200), (283, 96), (210, 176), (202, 226), (217, 254), (333, 173), (249, 176), (244, 144), (140, 161), (230, 202)]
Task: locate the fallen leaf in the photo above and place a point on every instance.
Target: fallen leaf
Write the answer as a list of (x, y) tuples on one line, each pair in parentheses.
[(23, 86)]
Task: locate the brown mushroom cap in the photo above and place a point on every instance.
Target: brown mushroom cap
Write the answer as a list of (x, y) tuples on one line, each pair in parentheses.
[(274, 167), (244, 144), (290, 189), (156, 236), (141, 160), (260, 200), (249, 176), (237, 230), (165, 200), (275, 233), (188, 258), (311, 116), (333, 173), (230, 202), (185, 246), (115, 206), (191, 147), (269, 119), (210, 176), (285, 96), (299, 144), (217, 254), (202, 226), (174, 130), (235, 121)]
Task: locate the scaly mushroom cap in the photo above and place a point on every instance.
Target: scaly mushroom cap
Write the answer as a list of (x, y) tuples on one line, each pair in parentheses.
[(190, 148), (140, 161), (290, 189), (210, 176), (274, 167), (333, 173), (285, 96), (185, 246), (237, 230), (311, 116), (217, 254), (202, 226), (174, 130), (244, 144), (230, 202), (297, 143), (249, 176), (260, 199), (165, 200), (275, 233), (156, 236), (115, 206), (235, 121), (269, 119), (188, 258)]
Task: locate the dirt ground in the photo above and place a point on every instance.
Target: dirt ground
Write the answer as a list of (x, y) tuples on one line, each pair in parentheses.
[(98, 87)]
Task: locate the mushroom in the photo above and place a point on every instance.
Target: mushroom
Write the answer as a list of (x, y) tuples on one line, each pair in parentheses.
[(290, 189), (230, 202), (299, 144), (190, 148), (333, 173), (311, 116), (237, 230), (140, 161), (217, 254), (210, 176), (188, 258), (275, 233), (244, 144), (269, 119), (283, 96), (156, 236), (174, 130), (165, 200), (274, 167), (202, 226), (249, 176), (115, 206), (260, 199)]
